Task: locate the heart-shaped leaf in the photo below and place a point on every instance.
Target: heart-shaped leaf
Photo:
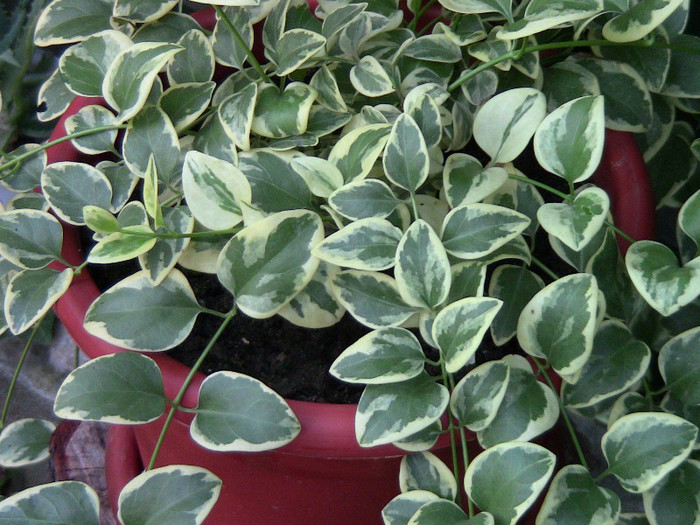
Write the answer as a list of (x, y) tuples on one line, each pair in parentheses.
[(689, 219), (195, 63), (639, 20), (236, 113), (477, 397), (363, 199), (30, 238), (25, 442), (152, 134), (400, 509), (676, 498), (66, 21), (679, 364), (444, 511), (425, 471), (369, 78), (89, 118), (355, 153), (185, 103), (295, 47), (53, 504), (406, 161), (466, 181), (284, 114)]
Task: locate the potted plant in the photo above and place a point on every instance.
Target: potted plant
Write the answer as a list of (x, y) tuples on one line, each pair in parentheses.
[(370, 162)]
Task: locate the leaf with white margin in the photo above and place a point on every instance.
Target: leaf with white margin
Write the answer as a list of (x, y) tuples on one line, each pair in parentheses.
[(617, 362), (164, 254), (565, 81), (425, 471), (266, 264), (422, 440), (140, 316), (569, 141), (422, 269), (372, 298), (322, 177), (185, 103), (172, 494), (576, 223), (151, 133), (31, 293), (88, 118), (573, 497), (30, 238), (367, 244), (363, 199), (237, 413), (56, 503), (682, 78), (123, 245), (27, 175), (674, 405), (559, 323), (459, 328), (628, 403), (676, 498), (689, 219), (236, 115), (195, 63), (478, 395), (657, 276), (53, 99), (124, 388), (515, 286), (142, 11), (295, 47), (401, 508), (67, 21), (130, 76), (504, 125), (443, 511), (528, 409), (541, 15), (387, 355), (69, 186), (282, 114), (679, 364), (506, 479), (369, 78), (122, 181), (503, 7), (25, 442), (406, 161), (467, 182), (639, 20), (472, 231), (425, 111), (394, 411), (214, 190), (468, 280), (315, 306), (642, 448), (355, 153)]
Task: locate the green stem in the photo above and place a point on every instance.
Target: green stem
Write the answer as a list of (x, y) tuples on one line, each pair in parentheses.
[(18, 368), (193, 235), (414, 205), (544, 268), (619, 232), (562, 410), (522, 178), (237, 36), (465, 460), (448, 380), (176, 403)]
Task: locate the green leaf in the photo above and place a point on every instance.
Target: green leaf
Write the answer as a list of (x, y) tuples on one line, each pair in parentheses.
[(425, 471), (214, 190), (472, 231), (70, 186), (355, 153), (573, 498), (468, 279), (372, 298), (639, 20), (122, 181), (367, 244), (227, 48), (25, 442), (394, 411), (236, 114), (528, 409), (467, 182), (364, 199), (478, 395), (54, 98), (67, 21), (541, 15), (618, 360), (504, 7), (138, 315), (425, 111), (142, 10), (406, 162), (283, 114), (433, 48), (185, 103), (506, 479), (296, 47), (444, 511), (689, 219), (239, 413), (30, 238), (682, 79), (504, 125), (31, 293), (676, 498), (422, 267), (123, 245), (266, 264), (165, 253), (576, 223), (52, 504), (515, 286), (679, 364), (172, 494), (132, 73), (657, 276), (123, 388), (27, 175), (569, 141), (567, 80), (559, 324), (387, 355), (151, 133), (91, 117), (642, 448), (459, 328), (400, 509), (195, 63), (322, 177), (370, 79)]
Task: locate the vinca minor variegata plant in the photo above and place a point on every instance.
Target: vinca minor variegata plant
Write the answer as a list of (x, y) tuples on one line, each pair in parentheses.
[(359, 158)]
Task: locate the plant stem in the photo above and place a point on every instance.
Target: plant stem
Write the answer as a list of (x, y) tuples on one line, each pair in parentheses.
[(619, 232), (522, 178), (448, 380), (178, 399), (193, 235), (237, 36), (544, 268), (567, 421), (465, 460)]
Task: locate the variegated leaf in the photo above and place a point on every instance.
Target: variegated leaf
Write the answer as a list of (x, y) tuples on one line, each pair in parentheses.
[(468, 280), (541, 15), (559, 324), (515, 286), (689, 219), (138, 315), (387, 355), (27, 175), (394, 411), (53, 504), (459, 328), (172, 494), (425, 471), (322, 177), (123, 245), (676, 498), (123, 388), (565, 81), (315, 306), (295, 47), (195, 63), (164, 254), (184, 103), (642, 448), (236, 115), (213, 140), (25, 442), (639, 20), (266, 264), (466, 181), (54, 98), (88, 118), (400, 509), (67, 21), (325, 83), (364, 199), (228, 50), (425, 111), (406, 161), (478, 395), (142, 11), (151, 133), (445, 511), (282, 114), (682, 78), (31, 293), (355, 153), (369, 78), (433, 48), (504, 7), (679, 364), (237, 413), (520, 471), (30, 238)]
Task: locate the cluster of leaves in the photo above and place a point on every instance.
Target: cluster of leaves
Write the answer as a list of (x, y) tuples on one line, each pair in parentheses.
[(367, 167)]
